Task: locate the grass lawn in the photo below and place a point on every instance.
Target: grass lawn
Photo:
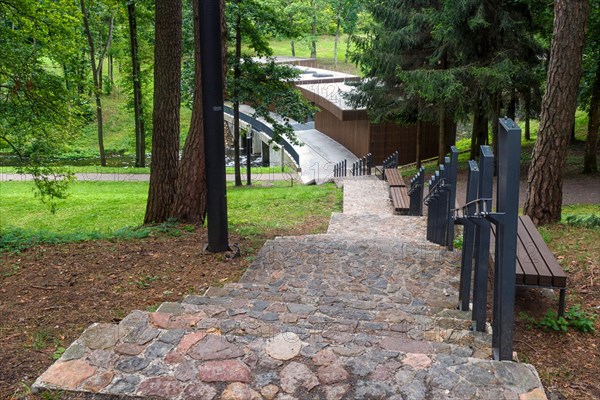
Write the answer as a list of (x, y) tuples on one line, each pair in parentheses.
[(107, 209), (97, 169)]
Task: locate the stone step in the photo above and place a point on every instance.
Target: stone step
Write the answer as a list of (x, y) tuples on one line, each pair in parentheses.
[(137, 358), (244, 316), (311, 295), (404, 274), (400, 228)]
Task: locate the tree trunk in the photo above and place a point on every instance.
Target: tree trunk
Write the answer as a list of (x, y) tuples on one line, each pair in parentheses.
[(528, 114), (313, 43), (590, 163), (140, 134), (496, 108), (165, 116), (100, 65), (338, 22), (236, 102), (97, 89), (479, 135), (442, 135), (419, 134), (111, 75), (511, 112), (292, 41), (544, 183), (190, 199), (347, 54)]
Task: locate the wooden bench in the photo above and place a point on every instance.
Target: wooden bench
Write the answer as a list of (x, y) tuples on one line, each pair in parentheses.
[(400, 199), (398, 191), (536, 265), (393, 178)]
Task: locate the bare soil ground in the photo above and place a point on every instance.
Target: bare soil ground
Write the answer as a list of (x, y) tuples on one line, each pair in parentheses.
[(568, 362), (50, 294)]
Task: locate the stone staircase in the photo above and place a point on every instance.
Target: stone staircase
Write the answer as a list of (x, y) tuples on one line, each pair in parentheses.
[(366, 311)]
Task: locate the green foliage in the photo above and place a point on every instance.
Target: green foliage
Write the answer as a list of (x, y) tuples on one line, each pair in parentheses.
[(575, 318), (112, 210), (145, 281), (552, 322), (38, 111), (58, 352), (587, 221), (458, 242)]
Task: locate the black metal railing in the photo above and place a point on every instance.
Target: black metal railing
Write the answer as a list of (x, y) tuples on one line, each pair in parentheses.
[(440, 201), (415, 193), (363, 166), (340, 169), (476, 216), (267, 130)]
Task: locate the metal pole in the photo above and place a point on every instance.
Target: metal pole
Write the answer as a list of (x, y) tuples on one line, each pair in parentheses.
[(248, 155), (452, 178), (507, 197), (482, 239), (212, 109), (469, 229)]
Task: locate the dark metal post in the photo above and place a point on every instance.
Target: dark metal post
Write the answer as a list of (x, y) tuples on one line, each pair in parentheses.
[(248, 155), (469, 229), (507, 198), (212, 109), (451, 192), (442, 206), (421, 189), (482, 238), (430, 209)]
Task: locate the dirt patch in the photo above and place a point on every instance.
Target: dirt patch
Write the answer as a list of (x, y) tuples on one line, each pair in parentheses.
[(50, 294), (568, 362)]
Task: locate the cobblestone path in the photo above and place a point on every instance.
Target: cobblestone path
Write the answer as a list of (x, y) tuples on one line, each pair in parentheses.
[(365, 311)]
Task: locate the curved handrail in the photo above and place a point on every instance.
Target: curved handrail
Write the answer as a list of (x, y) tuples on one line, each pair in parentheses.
[(262, 127)]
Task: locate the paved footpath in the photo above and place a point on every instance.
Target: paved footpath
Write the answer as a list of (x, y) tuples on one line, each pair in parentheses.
[(365, 311)]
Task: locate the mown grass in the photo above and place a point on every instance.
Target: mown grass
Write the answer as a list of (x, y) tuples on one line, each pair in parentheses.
[(114, 209), (574, 158), (96, 169), (325, 44)]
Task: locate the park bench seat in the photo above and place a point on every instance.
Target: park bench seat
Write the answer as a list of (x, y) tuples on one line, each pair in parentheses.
[(400, 199), (536, 265), (393, 178)]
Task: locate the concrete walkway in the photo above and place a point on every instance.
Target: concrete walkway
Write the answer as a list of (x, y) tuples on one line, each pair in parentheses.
[(319, 154), (365, 311)]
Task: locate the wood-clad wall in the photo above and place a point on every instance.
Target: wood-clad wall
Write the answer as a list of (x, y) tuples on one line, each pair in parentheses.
[(354, 135), (362, 137)]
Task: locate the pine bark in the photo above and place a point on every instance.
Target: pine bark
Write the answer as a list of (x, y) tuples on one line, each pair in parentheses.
[(590, 162), (545, 180), (442, 135), (165, 116), (97, 87), (190, 198), (479, 134), (140, 131)]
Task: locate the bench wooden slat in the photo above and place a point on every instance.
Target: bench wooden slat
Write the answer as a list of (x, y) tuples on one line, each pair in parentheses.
[(536, 271), (536, 265), (520, 274), (400, 199), (559, 278), (393, 177)]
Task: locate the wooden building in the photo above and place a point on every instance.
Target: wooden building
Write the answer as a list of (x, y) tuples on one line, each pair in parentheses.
[(351, 127)]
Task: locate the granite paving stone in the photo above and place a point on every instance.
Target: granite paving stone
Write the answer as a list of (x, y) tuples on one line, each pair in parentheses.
[(364, 311)]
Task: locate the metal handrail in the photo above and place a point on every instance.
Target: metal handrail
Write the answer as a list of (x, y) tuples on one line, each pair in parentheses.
[(433, 189), (262, 127)]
